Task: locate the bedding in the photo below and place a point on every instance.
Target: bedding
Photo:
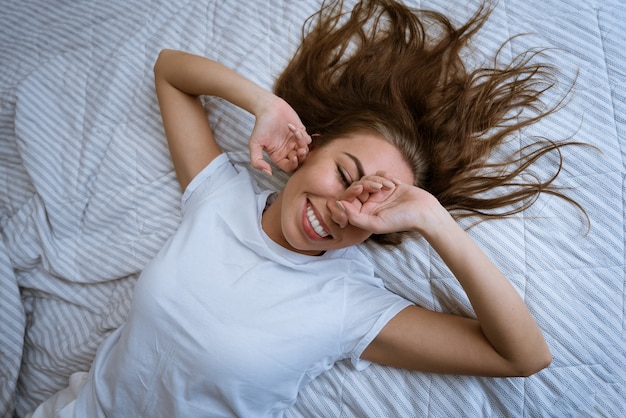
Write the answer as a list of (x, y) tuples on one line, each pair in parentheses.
[(88, 195)]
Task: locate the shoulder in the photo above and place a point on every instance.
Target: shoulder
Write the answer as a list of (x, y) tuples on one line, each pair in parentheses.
[(220, 178)]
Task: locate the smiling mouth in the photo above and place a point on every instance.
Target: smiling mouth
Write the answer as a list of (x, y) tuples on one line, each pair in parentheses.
[(315, 223)]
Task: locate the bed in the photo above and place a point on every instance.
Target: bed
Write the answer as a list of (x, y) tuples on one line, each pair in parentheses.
[(88, 195)]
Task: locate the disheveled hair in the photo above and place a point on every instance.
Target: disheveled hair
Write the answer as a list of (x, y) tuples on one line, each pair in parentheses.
[(397, 71)]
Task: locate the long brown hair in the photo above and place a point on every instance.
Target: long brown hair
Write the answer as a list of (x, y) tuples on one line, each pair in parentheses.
[(398, 71)]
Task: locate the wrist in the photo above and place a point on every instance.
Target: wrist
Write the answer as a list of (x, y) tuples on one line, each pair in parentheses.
[(261, 101), (435, 222)]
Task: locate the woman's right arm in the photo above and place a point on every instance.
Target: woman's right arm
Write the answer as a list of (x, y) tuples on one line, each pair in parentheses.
[(503, 340), (180, 78)]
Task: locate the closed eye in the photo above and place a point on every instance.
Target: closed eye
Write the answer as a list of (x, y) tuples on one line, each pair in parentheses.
[(343, 178)]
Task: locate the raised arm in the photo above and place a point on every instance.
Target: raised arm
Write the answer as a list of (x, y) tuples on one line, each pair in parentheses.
[(503, 340), (180, 78)]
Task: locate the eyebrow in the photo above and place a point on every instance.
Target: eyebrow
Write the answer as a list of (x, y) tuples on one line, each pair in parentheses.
[(358, 164)]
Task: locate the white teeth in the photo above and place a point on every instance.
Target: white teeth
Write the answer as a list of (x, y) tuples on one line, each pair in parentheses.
[(315, 223)]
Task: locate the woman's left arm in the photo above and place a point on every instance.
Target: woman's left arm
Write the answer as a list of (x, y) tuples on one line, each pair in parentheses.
[(503, 340)]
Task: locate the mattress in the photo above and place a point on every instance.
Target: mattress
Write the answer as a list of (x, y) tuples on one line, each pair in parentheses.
[(88, 195)]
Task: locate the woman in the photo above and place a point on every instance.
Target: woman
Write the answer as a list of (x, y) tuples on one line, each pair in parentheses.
[(256, 294)]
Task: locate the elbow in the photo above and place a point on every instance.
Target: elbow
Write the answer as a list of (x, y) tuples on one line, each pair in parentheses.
[(534, 365), (158, 64)]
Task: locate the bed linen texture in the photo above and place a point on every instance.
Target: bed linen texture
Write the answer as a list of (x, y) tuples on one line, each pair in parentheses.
[(88, 195)]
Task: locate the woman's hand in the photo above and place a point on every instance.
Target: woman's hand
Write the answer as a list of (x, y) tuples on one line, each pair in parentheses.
[(279, 132), (383, 205)]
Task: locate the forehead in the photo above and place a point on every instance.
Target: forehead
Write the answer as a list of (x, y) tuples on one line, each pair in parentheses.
[(374, 153)]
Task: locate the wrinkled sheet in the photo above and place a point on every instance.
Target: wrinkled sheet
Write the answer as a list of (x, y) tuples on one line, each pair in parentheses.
[(88, 195)]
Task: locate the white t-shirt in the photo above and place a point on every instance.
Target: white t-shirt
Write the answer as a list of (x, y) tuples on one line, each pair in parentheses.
[(225, 322)]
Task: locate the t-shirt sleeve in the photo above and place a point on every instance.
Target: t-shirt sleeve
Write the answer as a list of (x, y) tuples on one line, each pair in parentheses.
[(369, 308), (208, 181)]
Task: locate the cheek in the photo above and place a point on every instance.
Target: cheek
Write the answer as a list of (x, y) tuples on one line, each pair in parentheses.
[(320, 179)]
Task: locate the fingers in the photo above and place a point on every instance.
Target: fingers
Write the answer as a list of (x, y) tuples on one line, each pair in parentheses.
[(287, 153), (338, 213), (303, 140), (298, 149), (367, 185), (301, 154), (290, 162), (360, 204), (302, 137), (256, 157)]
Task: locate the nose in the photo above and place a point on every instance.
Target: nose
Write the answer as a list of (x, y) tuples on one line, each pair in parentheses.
[(337, 213)]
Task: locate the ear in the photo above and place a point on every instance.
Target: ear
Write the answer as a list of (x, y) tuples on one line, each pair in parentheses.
[(316, 141)]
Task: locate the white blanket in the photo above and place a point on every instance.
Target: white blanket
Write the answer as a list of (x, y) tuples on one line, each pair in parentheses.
[(88, 195)]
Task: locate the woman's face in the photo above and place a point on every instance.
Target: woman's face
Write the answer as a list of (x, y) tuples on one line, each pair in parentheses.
[(301, 218)]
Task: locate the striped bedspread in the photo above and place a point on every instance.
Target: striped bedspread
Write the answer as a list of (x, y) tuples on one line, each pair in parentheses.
[(88, 195)]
